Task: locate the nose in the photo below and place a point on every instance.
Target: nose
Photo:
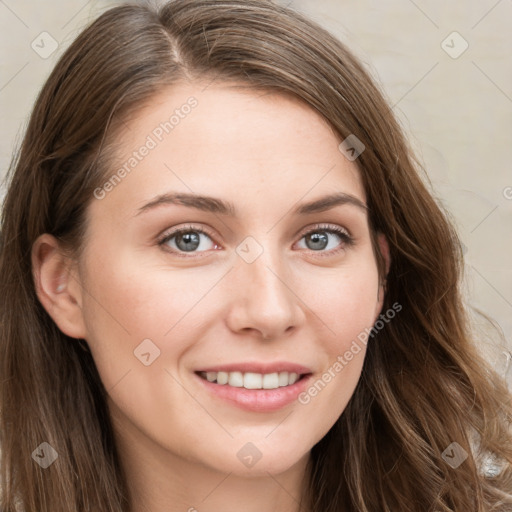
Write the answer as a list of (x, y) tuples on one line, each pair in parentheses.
[(263, 301)]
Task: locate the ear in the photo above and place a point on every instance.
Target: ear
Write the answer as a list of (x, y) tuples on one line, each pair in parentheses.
[(384, 250), (57, 285)]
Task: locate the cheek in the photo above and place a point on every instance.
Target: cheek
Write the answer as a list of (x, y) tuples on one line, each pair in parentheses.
[(346, 302), (130, 296), (347, 306), (127, 302), (137, 314)]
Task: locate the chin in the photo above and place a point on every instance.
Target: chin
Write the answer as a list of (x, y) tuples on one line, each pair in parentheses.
[(255, 460)]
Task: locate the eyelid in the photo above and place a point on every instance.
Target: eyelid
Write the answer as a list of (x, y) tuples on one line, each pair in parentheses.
[(323, 227)]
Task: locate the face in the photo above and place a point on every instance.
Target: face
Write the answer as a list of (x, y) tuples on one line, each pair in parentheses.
[(252, 286)]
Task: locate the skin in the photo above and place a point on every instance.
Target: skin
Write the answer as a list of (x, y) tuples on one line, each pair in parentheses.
[(266, 153)]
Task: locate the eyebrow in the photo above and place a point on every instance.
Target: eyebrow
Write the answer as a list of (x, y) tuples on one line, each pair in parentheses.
[(215, 205)]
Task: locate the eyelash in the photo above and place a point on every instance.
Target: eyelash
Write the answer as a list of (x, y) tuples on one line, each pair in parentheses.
[(346, 239)]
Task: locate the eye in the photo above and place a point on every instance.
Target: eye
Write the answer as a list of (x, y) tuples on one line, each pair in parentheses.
[(188, 239), (332, 238)]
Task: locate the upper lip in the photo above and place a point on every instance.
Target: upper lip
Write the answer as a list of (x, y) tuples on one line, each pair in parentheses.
[(255, 367)]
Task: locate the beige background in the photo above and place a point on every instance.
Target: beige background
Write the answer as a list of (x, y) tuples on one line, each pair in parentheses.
[(455, 108)]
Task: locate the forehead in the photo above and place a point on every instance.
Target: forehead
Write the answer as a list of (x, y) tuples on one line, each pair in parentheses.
[(228, 141)]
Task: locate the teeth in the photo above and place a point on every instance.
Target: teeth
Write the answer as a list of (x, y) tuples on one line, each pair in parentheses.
[(236, 379), (252, 380), (222, 377), (283, 379), (270, 381)]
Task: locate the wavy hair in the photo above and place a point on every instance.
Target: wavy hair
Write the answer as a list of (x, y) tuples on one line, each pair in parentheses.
[(424, 384)]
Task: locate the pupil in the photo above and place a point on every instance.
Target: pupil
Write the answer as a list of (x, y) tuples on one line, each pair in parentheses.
[(319, 240), (190, 239)]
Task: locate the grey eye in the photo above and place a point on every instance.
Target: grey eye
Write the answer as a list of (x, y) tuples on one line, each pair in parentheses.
[(188, 241), (317, 241)]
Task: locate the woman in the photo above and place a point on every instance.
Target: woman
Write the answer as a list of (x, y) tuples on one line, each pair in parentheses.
[(226, 287)]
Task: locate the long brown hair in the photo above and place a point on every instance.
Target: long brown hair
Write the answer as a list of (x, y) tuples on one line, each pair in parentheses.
[(424, 385)]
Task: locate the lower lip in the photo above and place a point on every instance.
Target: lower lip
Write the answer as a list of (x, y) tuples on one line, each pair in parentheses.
[(257, 400)]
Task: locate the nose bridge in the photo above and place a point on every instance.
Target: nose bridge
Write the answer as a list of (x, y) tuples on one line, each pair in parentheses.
[(263, 298)]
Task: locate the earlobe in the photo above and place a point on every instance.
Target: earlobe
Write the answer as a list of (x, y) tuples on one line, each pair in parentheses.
[(57, 289)]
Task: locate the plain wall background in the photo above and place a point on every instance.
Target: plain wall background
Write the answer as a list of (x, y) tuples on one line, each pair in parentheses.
[(455, 106)]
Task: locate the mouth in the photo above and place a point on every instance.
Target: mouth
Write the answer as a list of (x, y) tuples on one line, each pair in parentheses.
[(269, 389), (252, 380)]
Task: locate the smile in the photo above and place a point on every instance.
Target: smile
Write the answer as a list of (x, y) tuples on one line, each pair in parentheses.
[(250, 380), (254, 387)]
